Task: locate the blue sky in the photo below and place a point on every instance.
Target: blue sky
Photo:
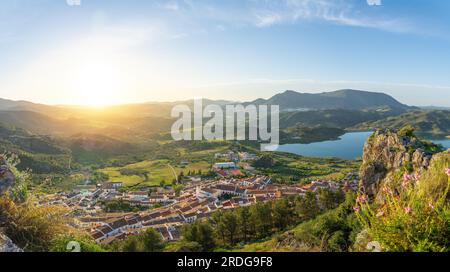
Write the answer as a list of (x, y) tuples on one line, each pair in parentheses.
[(120, 51)]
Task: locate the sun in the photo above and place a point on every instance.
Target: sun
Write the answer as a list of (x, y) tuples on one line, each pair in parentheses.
[(97, 83)]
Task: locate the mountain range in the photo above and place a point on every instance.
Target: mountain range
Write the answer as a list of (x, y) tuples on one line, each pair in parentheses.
[(341, 99), (304, 118), (289, 100)]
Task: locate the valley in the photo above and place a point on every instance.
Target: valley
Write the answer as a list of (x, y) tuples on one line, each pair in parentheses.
[(121, 178)]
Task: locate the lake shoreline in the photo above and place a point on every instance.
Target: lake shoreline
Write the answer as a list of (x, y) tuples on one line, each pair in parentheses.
[(348, 146)]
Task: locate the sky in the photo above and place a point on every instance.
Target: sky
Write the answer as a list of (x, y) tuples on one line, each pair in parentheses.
[(102, 52)]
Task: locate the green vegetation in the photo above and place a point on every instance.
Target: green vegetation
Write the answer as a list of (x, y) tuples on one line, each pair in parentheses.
[(338, 118), (40, 153), (231, 230), (152, 173), (341, 99), (239, 228), (148, 241), (417, 218), (406, 131), (200, 234), (112, 206), (290, 168), (305, 134), (87, 244), (31, 227), (427, 123), (335, 230), (132, 144), (264, 162)]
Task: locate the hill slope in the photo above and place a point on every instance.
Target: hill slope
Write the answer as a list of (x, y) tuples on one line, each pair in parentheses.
[(40, 153), (434, 123)]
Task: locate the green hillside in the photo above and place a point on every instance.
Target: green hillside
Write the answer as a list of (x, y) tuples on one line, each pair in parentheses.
[(330, 118), (429, 123), (42, 154)]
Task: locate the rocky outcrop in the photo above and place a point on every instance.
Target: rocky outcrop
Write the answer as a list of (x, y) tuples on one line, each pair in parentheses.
[(6, 181), (288, 242), (387, 152), (6, 176), (6, 245)]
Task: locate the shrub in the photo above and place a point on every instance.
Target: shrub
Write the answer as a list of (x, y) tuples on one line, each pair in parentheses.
[(417, 218), (87, 244), (32, 227), (407, 131), (148, 241)]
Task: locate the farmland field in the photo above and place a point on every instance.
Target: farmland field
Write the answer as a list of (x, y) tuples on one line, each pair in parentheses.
[(157, 171)]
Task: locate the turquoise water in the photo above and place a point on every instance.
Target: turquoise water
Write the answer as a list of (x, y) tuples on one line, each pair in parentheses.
[(445, 142), (349, 146)]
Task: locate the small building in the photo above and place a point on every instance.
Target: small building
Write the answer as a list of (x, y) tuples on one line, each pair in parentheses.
[(112, 186), (190, 217), (205, 193), (224, 165)]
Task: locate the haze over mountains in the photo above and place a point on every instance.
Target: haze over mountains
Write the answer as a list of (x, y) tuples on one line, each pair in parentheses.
[(341, 99), (288, 100), (37, 131), (338, 109)]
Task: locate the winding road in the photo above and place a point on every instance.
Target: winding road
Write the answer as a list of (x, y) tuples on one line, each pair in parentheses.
[(174, 172)]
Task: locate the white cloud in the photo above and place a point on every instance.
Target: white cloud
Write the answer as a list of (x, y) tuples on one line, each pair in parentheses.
[(339, 12), (267, 13), (172, 6), (374, 2), (267, 19)]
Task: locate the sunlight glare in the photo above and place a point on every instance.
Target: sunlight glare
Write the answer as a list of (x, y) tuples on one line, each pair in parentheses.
[(97, 83)]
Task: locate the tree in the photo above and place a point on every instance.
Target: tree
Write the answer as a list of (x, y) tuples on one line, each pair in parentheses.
[(201, 233), (261, 218), (329, 199), (407, 130), (206, 236), (152, 241), (230, 222), (281, 214), (178, 188), (337, 242), (216, 221), (244, 222), (264, 162), (132, 244), (180, 176), (307, 206), (100, 177)]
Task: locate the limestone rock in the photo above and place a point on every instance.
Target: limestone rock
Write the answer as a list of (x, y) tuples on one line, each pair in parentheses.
[(6, 245), (386, 152)]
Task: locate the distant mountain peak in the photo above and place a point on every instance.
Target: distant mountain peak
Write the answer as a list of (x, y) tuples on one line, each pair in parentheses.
[(340, 99)]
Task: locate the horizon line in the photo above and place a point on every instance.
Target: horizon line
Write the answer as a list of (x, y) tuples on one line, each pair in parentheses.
[(189, 99)]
